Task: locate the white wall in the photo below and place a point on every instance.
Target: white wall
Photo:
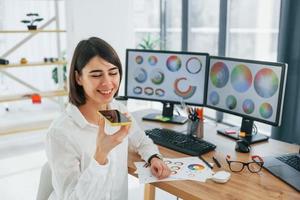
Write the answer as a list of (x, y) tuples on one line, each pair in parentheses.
[(111, 20)]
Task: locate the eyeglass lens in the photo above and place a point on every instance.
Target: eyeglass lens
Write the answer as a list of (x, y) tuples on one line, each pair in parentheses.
[(254, 167), (236, 166)]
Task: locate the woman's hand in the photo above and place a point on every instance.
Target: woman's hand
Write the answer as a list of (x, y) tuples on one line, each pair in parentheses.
[(159, 169), (105, 143)]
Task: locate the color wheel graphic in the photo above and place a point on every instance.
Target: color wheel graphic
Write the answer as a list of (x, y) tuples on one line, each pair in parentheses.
[(184, 94), (196, 167), (157, 77), (193, 65), (231, 102), (241, 78), (152, 60), (266, 110), (139, 60), (219, 74), (140, 75), (266, 83), (173, 63), (248, 106), (214, 98)]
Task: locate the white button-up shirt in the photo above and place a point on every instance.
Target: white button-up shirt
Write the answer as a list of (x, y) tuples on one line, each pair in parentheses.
[(70, 149)]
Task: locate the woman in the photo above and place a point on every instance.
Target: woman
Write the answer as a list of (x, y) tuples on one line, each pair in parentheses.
[(87, 157)]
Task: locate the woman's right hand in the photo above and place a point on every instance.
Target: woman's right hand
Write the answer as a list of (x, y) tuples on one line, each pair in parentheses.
[(105, 143)]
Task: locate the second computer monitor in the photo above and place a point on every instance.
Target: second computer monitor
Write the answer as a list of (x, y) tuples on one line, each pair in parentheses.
[(251, 89), (166, 76)]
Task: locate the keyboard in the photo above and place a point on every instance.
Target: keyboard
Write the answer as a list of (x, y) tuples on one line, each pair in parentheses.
[(291, 160), (180, 142)]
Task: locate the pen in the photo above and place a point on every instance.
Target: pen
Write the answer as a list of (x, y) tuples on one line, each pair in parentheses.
[(216, 161), (201, 158)]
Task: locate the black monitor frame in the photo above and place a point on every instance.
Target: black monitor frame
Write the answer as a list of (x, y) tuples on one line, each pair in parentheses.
[(167, 115), (247, 121)]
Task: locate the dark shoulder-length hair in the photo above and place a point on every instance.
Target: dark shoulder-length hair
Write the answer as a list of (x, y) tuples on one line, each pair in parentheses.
[(84, 52)]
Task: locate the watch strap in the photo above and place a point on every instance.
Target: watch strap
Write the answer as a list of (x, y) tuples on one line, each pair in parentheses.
[(154, 156)]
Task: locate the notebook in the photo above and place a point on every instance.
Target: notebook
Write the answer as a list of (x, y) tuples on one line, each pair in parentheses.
[(286, 167)]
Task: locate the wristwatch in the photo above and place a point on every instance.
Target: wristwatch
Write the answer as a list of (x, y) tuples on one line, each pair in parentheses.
[(155, 156)]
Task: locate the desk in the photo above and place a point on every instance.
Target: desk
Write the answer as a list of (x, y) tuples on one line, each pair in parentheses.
[(242, 185)]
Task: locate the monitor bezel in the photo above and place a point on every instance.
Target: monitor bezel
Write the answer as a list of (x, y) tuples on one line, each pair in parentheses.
[(168, 52), (280, 95)]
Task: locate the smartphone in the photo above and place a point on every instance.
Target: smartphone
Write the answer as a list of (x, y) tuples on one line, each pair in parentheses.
[(115, 117)]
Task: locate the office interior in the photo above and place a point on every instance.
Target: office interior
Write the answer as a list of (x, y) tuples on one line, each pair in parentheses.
[(34, 85)]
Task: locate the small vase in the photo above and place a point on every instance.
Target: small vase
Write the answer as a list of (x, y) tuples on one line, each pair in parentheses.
[(31, 27)]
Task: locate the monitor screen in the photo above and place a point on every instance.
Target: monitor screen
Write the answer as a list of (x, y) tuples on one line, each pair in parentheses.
[(166, 76), (252, 89)]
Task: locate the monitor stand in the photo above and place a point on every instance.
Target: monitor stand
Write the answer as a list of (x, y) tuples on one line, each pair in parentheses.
[(166, 116), (247, 126)]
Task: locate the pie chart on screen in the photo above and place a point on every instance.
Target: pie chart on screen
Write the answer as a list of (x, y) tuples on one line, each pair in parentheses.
[(241, 78), (266, 110), (219, 74), (173, 63), (266, 83)]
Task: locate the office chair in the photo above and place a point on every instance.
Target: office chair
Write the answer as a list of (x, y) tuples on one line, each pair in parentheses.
[(45, 185)]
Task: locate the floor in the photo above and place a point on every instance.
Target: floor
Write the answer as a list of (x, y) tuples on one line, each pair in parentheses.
[(21, 158)]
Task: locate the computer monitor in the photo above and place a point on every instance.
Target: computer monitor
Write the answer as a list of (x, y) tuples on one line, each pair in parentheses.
[(251, 89), (169, 77)]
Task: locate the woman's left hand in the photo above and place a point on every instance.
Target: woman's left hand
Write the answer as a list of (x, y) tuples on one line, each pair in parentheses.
[(159, 169)]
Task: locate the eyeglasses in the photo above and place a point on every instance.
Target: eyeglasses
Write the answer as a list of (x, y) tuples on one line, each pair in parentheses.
[(253, 166)]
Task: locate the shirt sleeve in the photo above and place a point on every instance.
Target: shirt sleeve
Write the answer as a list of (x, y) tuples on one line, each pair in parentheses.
[(137, 138), (69, 181), (139, 141)]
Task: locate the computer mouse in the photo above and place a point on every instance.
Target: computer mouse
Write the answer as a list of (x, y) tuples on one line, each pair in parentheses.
[(221, 176), (242, 146)]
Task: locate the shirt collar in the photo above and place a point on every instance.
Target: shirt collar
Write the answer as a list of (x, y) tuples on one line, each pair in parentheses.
[(76, 115)]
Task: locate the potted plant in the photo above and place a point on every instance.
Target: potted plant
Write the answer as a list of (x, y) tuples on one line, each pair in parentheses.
[(34, 17), (148, 42), (54, 73)]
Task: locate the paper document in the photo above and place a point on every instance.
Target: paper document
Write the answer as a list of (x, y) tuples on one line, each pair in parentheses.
[(187, 168)]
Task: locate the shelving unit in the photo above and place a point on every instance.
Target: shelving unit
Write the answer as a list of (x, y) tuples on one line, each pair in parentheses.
[(32, 31), (60, 92), (16, 97), (33, 64)]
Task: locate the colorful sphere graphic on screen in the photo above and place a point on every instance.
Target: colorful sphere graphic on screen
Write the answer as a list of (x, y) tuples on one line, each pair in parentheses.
[(157, 77), (173, 63), (266, 83), (214, 98), (219, 74), (193, 65), (140, 75), (139, 60), (196, 167), (248, 106), (180, 86), (241, 78), (152, 60), (266, 110), (231, 102)]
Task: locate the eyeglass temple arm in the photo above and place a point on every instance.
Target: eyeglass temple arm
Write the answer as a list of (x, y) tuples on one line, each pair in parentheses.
[(258, 157)]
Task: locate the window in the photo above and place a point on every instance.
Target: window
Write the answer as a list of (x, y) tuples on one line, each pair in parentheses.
[(146, 21), (204, 30), (173, 25), (253, 32), (253, 29), (204, 26)]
